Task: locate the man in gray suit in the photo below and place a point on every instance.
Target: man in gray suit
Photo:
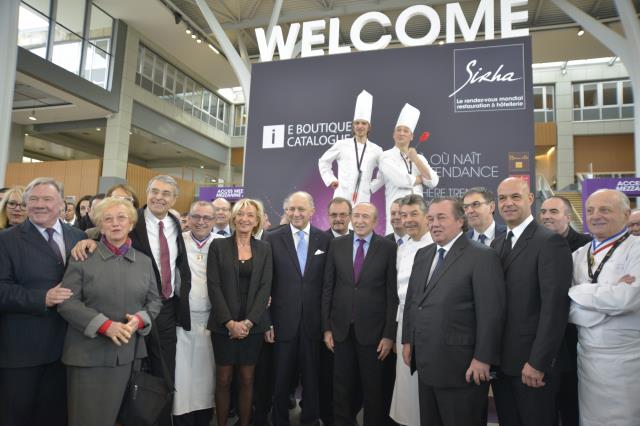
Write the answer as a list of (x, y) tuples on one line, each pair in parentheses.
[(453, 319)]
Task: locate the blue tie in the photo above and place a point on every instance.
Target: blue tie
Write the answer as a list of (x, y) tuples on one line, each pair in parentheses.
[(482, 238), (302, 251), (439, 263)]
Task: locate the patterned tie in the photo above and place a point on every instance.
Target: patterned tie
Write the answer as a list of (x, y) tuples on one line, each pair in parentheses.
[(359, 260), (165, 265), (506, 246), (482, 238), (399, 242), (302, 251), (54, 246), (439, 263), (222, 232)]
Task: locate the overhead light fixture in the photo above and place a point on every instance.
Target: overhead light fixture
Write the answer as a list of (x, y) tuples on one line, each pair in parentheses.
[(193, 35), (188, 31), (612, 61), (198, 41), (32, 116), (580, 32), (98, 129), (441, 42), (26, 134), (563, 69), (202, 167), (216, 51)]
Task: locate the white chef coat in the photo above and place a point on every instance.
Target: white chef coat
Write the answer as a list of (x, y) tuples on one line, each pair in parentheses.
[(608, 318), (398, 182), (344, 152), (405, 407), (195, 372)]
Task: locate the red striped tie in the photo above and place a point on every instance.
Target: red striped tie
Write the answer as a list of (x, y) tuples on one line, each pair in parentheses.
[(165, 265)]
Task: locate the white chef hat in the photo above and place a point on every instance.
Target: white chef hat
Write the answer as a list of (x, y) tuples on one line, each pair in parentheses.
[(364, 103), (408, 117)]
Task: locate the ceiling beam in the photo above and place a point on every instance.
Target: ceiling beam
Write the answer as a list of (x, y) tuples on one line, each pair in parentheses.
[(343, 10), (253, 9), (536, 16)]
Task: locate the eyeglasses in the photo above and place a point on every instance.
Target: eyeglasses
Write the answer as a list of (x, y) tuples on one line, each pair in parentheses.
[(15, 205), (197, 218), (475, 205)]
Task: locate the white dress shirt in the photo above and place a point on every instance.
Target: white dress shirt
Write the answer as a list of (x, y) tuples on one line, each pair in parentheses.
[(296, 237), (490, 233), (171, 233), (447, 248), (518, 230), (57, 237), (344, 152), (404, 263), (398, 182)]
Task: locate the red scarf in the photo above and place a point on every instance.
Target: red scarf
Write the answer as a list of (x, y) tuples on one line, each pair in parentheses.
[(118, 251)]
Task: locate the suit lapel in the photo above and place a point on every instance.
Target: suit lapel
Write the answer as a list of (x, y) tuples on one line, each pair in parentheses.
[(287, 240), (139, 233), (450, 258), (68, 242), (521, 244), (258, 256), (235, 258), (312, 247), (371, 252), (31, 233)]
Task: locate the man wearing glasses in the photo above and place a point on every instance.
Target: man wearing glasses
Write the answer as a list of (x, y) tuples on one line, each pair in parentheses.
[(222, 215), (479, 205)]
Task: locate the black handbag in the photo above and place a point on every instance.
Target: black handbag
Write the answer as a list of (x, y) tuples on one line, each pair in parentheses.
[(147, 395)]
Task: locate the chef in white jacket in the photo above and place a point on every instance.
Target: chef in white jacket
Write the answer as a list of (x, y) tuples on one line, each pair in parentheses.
[(405, 407), (605, 305), (194, 379), (403, 170), (357, 158)]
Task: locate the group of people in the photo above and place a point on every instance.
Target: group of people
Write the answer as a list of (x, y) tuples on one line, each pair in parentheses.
[(412, 328)]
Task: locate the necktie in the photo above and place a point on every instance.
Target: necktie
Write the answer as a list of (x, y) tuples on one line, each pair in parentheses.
[(165, 265), (482, 238), (400, 241), (302, 251), (359, 260), (439, 263), (54, 246), (222, 232), (506, 247)]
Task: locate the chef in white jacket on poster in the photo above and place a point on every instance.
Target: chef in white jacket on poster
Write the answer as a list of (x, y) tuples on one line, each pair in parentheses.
[(194, 379), (357, 158), (405, 406), (403, 170), (605, 305)]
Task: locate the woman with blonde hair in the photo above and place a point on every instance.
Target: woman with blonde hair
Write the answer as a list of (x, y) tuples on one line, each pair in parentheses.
[(239, 271), (13, 210)]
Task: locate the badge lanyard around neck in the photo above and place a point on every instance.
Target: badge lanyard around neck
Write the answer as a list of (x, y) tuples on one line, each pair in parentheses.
[(359, 161), (591, 260), (409, 165)]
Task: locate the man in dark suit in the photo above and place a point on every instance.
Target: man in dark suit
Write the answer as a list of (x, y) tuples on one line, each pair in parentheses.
[(537, 269), (398, 234), (555, 215), (158, 235), (359, 305), (339, 212), (479, 205), (453, 320), (299, 252), (33, 256)]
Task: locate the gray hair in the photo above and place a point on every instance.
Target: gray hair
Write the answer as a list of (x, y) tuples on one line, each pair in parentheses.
[(415, 199), (304, 194), (201, 204), (44, 181), (164, 179)]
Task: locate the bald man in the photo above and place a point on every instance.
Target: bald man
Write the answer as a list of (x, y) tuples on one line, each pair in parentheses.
[(537, 270)]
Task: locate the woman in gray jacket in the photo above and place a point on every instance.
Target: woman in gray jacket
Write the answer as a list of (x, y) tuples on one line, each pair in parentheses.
[(114, 298)]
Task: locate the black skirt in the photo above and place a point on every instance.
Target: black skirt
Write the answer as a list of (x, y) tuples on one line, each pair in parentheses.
[(228, 351)]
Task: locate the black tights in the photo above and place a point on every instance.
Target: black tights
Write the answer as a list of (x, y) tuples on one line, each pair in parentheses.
[(224, 375)]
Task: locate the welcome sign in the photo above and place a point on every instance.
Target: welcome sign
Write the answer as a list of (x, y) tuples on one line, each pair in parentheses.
[(476, 119)]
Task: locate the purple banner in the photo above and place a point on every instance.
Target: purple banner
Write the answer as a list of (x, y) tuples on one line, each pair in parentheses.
[(630, 186), (476, 117), (230, 193)]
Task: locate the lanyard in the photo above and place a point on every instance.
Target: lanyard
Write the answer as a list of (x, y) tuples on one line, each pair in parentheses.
[(591, 261), (409, 165), (359, 160)]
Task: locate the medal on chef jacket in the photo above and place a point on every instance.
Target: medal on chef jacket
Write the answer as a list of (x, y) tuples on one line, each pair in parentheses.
[(408, 118), (364, 104), (199, 244)]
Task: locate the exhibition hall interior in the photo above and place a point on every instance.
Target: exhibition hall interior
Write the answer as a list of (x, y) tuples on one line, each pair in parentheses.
[(97, 93)]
